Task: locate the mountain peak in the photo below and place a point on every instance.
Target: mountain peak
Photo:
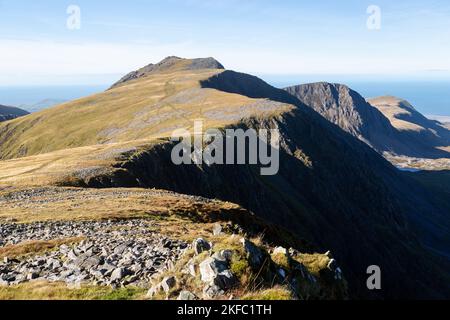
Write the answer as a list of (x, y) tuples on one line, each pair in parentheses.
[(171, 63), (346, 108)]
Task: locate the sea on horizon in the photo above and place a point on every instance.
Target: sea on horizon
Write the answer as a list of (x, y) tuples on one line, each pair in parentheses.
[(428, 97)]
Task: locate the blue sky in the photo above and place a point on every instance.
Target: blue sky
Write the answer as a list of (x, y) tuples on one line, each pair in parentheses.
[(272, 38)]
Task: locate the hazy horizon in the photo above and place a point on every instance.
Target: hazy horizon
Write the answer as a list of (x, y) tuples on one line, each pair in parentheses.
[(430, 97)]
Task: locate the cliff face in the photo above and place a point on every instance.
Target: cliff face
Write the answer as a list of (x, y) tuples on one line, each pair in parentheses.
[(376, 122)]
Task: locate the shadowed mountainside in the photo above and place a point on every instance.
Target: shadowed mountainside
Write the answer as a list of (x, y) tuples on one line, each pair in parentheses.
[(332, 189), (9, 113)]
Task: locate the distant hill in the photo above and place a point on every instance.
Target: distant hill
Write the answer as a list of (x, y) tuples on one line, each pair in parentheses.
[(387, 124), (413, 125), (41, 105), (442, 119), (332, 190), (9, 113)]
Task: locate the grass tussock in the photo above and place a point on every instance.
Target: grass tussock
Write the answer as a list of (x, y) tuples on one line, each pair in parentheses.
[(28, 248), (315, 263), (59, 291), (273, 294)]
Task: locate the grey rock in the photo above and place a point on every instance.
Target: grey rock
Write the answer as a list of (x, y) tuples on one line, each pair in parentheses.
[(120, 249), (118, 274), (168, 283), (225, 280), (92, 262), (224, 255), (217, 229), (255, 255), (210, 268), (200, 245), (4, 283), (186, 296), (32, 276), (212, 291), (71, 255)]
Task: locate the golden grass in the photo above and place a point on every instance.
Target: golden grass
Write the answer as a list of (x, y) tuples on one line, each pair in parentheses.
[(314, 263), (148, 108), (392, 109), (28, 248), (39, 290), (72, 204), (273, 294), (95, 132)]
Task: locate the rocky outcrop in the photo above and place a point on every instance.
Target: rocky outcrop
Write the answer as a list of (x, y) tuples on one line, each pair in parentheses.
[(242, 266)]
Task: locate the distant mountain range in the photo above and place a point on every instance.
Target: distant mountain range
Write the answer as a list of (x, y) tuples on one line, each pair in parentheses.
[(9, 113), (333, 190)]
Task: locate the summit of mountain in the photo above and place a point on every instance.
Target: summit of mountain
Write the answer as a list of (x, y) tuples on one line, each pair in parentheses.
[(171, 64)]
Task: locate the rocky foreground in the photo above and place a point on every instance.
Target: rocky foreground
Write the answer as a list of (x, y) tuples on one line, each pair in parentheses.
[(109, 253), (127, 253), (88, 243)]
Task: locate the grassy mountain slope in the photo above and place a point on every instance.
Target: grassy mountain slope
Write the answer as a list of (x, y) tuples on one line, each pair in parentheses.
[(149, 108), (413, 126)]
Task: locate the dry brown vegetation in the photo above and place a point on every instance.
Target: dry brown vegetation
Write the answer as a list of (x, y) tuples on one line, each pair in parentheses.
[(22, 250), (25, 205), (148, 108), (39, 290)]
